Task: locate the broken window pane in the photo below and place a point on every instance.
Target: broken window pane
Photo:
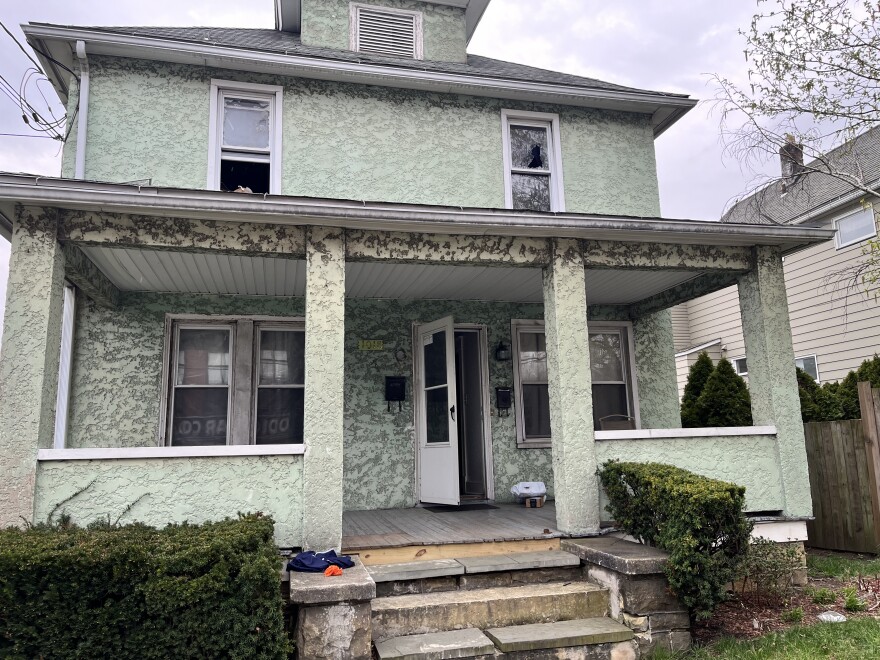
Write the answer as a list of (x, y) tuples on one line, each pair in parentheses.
[(530, 192), (528, 148), (246, 123)]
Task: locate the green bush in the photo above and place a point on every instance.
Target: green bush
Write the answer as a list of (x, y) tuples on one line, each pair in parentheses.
[(823, 596), (794, 615), (697, 376), (768, 568), (186, 591), (848, 391), (725, 399), (818, 404), (852, 602), (698, 521)]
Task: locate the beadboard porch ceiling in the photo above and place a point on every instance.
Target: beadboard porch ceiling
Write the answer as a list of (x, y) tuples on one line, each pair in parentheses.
[(189, 272)]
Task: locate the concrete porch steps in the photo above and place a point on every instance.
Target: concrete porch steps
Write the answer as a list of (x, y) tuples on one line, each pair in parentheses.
[(497, 607), (596, 638)]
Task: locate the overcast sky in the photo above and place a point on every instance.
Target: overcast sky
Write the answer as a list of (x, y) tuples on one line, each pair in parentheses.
[(667, 45)]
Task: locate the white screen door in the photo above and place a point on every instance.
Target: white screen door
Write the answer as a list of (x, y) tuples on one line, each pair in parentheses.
[(437, 427)]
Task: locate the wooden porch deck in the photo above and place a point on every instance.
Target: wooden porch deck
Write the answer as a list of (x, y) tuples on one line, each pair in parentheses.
[(423, 534)]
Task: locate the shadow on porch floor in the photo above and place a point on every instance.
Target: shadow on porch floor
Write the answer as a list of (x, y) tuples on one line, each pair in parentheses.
[(397, 528)]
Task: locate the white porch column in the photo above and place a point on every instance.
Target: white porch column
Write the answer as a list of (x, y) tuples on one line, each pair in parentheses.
[(324, 363), (29, 358), (772, 382), (571, 397)]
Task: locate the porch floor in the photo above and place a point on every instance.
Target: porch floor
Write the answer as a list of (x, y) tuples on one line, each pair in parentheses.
[(397, 528)]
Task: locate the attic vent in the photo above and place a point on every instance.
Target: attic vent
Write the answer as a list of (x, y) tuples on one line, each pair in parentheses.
[(384, 31)]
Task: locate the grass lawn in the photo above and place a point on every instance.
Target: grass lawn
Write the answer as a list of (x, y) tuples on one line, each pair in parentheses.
[(853, 640), (841, 566)]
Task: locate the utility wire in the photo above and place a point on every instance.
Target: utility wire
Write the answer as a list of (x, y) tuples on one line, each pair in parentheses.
[(41, 137), (26, 54)]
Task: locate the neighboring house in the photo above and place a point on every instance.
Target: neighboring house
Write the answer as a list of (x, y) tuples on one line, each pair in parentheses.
[(834, 321), (451, 276)]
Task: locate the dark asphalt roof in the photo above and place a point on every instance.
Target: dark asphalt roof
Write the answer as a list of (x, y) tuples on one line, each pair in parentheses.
[(860, 157), (274, 41)]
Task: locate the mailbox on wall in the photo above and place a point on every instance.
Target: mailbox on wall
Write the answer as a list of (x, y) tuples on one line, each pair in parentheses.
[(395, 390)]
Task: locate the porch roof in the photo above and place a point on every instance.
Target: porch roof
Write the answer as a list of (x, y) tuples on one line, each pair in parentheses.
[(383, 216)]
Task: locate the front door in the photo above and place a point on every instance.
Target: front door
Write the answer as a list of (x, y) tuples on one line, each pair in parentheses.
[(437, 428)]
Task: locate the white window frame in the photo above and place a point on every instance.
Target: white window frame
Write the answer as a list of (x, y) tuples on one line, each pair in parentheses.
[(869, 210), (173, 324), (815, 359), (354, 27), (549, 121), (221, 89), (530, 325), (736, 368)]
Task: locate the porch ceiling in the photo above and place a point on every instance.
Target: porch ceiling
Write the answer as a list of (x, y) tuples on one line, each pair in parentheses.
[(206, 272)]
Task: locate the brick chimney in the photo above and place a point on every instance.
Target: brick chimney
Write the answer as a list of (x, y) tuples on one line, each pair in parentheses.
[(791, 158)]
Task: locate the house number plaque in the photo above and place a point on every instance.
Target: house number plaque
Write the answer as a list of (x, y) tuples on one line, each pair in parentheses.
[(371, 345)]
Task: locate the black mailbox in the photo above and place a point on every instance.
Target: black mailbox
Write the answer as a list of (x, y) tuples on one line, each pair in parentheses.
[(395, 390)]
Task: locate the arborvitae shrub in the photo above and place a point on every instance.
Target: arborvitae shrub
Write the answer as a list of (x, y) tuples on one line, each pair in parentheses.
[(697, 376), (818, 404), (725, 399), (848, 390), (186, 591), (698, 521)]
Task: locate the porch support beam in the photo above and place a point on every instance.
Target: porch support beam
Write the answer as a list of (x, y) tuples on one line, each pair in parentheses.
[(162, 233), (446, 249), (655, 371), (29, 358), (699, 286), (325, 375), (571, 401), (665, 256), (772, 382), (88, 278)]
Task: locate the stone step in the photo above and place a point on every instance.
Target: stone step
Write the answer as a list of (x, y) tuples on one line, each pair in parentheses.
[(465, 643), (559, 634), (417, 614)]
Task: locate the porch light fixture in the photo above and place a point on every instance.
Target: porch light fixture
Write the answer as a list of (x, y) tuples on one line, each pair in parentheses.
[(502, 353)]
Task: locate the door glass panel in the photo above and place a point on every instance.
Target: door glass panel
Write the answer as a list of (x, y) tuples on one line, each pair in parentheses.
[(437, 414), (200, 416), (280, 416), (530, 192), (536, 411), (606, 357), (203, 357), (435, 359), (246, 123)]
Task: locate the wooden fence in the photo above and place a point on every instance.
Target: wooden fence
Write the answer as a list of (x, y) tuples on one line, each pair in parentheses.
[(844, 463)]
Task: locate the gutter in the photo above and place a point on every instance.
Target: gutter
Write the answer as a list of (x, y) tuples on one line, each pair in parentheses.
[(380, 216), (82, 126), (122, 45)]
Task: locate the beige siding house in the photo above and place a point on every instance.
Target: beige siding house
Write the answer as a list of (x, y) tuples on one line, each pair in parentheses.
[(833, 328)]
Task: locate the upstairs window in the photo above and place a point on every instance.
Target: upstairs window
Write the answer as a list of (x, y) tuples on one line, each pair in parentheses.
[(809, 364), (245, 137), (384, 31), (855, 228), (532, 162), (740, 366)]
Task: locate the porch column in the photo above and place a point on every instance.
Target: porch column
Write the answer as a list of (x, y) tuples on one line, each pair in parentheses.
[(655, 371), (571, 398), (772, 382), (324, 363), (29, 358)]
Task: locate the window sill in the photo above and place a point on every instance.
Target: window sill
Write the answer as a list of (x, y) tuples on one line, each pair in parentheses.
[(536, 444), (127, 453), (714, 432)]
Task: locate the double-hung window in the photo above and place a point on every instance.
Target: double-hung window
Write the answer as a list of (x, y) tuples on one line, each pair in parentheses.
[(235, 381), (612, 378), (532, 161), (245, 137)]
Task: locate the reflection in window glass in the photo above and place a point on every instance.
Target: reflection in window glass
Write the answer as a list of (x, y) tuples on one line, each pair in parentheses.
[(280, 416), (528, 148), (203, 357), (281, 387), (282, 357), (435, 359), (606, 357), (856, 227), (530, 192), (535, 396), (246, 123)]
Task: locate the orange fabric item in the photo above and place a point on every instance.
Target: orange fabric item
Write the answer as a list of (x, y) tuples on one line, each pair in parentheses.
[(333, 571)]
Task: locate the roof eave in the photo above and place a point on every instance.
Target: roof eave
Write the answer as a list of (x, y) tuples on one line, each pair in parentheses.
[(664, 109), (280, 209)]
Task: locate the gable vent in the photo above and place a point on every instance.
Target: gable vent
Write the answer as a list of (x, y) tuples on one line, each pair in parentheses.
[(386, 31)]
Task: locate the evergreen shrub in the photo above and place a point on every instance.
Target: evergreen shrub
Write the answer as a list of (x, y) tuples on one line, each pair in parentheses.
[(185, 591), (697, 376), (698, 521), (725, 399)]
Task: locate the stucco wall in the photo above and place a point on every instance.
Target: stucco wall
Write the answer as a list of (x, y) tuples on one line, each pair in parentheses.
[(149, 120), (161, 491), (326, 23), (749, 461)]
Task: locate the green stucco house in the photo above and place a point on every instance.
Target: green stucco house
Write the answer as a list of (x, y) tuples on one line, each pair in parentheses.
[(344, 265)]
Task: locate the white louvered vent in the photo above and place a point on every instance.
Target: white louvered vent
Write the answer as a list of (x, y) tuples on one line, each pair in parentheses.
[(384, 31)]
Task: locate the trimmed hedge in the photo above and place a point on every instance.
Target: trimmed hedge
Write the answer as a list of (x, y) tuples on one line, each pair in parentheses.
[(185, 591), (698, 521)]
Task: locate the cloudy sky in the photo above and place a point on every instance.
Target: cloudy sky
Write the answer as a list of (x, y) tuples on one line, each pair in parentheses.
[(668, 45)]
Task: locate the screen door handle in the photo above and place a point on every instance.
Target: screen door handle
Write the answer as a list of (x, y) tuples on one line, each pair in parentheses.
[(452, 412)]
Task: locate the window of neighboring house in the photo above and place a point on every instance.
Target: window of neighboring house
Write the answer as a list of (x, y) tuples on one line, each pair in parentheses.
[(740, 366), (809, 364), (245, 137), (205, 406), (532, 161), (855, 227), (385, 31), (612, 379)]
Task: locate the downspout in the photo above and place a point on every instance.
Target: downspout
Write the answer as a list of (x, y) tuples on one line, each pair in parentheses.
[(82, 126)]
